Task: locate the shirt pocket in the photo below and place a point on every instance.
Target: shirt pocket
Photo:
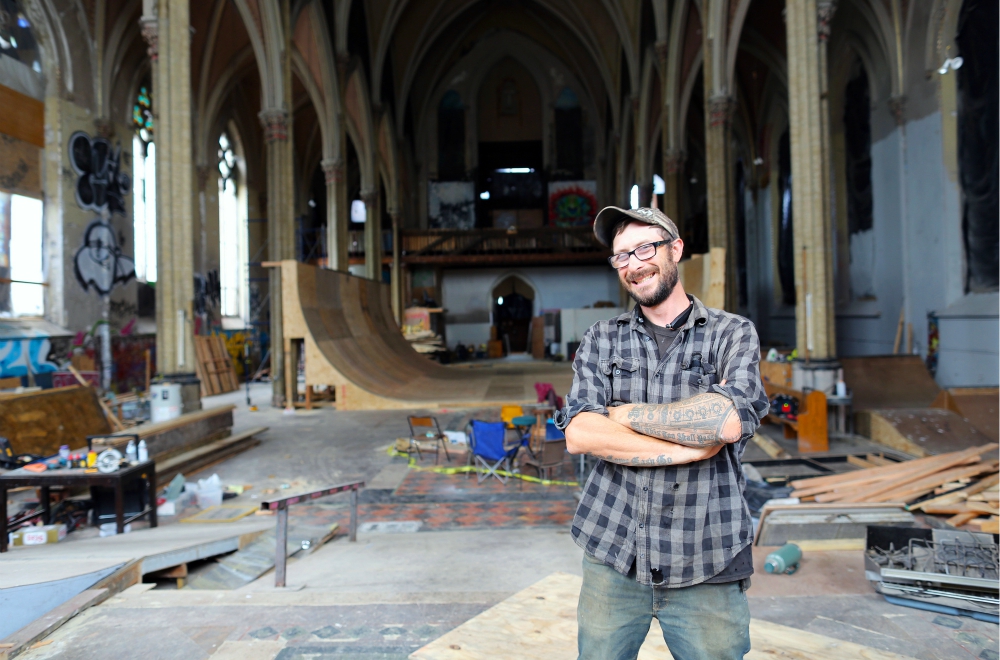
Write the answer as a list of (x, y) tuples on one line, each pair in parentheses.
[(626, 383), (694, 383)]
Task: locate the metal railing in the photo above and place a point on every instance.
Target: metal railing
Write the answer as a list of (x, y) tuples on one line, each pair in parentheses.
[(281, 504)]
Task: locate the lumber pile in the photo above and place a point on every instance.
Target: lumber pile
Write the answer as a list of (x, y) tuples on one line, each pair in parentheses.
[(214, 366), (964, 483)]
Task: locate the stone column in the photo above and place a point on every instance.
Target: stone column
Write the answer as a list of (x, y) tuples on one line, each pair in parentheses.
[(719, 183), (673, 164), (808, 24), (167, 31), (373, 235), (336, 214), (396, 272), (280, 233)]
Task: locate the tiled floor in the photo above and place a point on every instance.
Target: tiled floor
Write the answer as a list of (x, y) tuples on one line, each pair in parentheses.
[(453, 501)]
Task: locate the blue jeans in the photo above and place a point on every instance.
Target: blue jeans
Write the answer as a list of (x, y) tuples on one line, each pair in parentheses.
[(703, 622)]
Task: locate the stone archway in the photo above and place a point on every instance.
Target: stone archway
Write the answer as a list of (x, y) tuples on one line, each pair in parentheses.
[(513, 307)]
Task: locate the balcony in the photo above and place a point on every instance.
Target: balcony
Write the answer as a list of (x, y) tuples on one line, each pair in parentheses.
[(546, 245)]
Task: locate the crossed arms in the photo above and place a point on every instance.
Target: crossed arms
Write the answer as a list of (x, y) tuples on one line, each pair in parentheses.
[(646, 434)]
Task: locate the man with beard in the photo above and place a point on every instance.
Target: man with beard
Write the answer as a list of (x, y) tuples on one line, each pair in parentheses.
[(666, 397)]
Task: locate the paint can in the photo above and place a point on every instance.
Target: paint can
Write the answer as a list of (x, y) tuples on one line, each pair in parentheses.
[(165, 402)]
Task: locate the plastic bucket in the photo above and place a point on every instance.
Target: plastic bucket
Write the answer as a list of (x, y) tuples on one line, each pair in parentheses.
[(165, 402)]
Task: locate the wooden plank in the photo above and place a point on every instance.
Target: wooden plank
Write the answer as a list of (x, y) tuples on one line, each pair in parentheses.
[(913, 478), (928, 483), (960, 519), (889, 471), (539, 623), (857, 461), (769, 446)]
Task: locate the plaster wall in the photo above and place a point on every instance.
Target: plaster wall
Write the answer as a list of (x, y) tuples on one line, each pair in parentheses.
[(467, 295), (868, 326)]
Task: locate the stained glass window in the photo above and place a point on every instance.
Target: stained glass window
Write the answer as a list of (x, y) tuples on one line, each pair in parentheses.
[(233, 248), (144, 187)]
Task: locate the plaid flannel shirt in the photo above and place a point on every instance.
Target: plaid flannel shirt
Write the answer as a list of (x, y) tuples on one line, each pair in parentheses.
[(686, 522)]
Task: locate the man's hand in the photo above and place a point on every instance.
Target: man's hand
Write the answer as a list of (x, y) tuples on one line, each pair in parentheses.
[(704, 420)]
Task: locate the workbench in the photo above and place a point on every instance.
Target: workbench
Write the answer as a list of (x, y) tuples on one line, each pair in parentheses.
[(145, 471)]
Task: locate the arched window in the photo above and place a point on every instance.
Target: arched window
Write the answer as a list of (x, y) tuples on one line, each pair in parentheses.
[(144, 187), (569, 135), (233, 257), (451, 137), (858, 161)]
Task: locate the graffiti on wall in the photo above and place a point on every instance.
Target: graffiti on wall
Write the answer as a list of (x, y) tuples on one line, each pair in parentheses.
[(101, 186), (17, 355), (99, 263)]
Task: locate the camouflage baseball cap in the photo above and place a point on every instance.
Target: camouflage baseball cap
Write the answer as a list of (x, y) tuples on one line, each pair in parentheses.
[(611, 216)]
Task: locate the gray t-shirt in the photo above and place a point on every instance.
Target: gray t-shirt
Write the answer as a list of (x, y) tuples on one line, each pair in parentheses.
[(664, 335)]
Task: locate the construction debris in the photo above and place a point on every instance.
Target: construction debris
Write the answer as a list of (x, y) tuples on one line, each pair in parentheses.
[(965, 482)]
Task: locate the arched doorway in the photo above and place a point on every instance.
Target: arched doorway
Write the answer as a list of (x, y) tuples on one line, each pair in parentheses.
[(513, 307)]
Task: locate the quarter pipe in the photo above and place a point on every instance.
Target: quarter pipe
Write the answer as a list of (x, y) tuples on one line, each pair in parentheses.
[(352, 342)]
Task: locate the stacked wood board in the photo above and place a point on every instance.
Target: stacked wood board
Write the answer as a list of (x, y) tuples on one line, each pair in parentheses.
[(214, 366), (958, 476)]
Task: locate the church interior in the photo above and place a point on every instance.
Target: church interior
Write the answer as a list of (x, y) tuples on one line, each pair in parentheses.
[(280, 260)]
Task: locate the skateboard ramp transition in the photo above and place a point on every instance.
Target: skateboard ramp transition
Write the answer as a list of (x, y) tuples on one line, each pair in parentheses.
[(352, 342)]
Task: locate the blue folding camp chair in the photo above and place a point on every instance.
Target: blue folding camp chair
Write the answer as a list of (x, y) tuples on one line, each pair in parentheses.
[(488, 449)]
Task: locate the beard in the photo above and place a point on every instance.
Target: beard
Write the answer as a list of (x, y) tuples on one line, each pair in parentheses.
[(667, 281)]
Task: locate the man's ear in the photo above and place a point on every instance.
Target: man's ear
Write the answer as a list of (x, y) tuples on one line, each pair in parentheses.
[(678, 247)]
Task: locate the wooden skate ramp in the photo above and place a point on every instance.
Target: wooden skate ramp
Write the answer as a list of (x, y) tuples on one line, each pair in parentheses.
[(889, 381), (352, 342)]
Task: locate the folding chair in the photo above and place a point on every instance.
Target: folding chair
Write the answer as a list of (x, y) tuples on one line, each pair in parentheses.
[(487, 449), (432, 432), (509, 413), (548, 453)]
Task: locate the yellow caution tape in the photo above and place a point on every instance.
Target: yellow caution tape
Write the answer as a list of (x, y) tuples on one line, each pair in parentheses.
[(464, 469)]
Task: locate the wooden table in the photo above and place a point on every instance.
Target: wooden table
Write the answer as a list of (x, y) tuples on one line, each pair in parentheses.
[(145, 471)]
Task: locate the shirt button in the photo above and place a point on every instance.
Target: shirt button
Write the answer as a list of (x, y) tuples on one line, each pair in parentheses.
[(618, 372), (644, 489), (676, 486), (640, 525)]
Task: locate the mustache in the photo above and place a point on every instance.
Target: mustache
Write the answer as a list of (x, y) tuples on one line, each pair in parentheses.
[(639, 274)]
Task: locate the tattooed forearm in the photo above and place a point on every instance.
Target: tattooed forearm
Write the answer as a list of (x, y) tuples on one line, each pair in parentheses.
[(635, 461), (701, 421)]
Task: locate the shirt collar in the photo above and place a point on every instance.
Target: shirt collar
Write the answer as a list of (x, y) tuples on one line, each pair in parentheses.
[(698, 315)]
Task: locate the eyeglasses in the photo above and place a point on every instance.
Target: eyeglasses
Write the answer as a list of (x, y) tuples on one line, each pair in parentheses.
[(644, 252)]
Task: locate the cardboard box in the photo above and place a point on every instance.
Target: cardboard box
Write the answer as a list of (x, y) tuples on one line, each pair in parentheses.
[(37, 535)]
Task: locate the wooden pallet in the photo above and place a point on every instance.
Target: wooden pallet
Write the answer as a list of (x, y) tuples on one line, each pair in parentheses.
[(214, 366)]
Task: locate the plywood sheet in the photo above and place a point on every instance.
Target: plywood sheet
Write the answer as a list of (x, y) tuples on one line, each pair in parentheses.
[(539, 623), (889, 381), (39, 422), (920, 431), (979, 405)]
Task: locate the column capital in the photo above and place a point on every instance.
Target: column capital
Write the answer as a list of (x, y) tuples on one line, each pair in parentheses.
[(368, 196), (149, 27), (825, 9), (275, 123), (333, 168), (897, 106), (673, 161), (720, 109)]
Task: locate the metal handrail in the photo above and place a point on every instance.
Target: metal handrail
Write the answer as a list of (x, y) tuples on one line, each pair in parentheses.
[(281, 505)]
